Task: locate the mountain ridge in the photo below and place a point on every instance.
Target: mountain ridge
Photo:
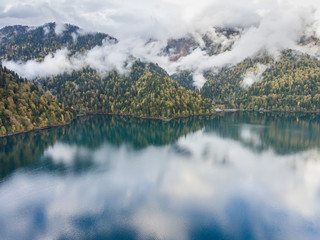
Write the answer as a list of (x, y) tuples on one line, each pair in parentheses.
[(27, 43), (289, 83)]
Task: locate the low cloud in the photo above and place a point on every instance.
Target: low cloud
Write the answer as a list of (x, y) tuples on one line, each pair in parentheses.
[(266, 26), (253, 75), (53, 64)]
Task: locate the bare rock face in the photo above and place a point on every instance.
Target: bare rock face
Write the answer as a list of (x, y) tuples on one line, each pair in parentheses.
[(215, 41)]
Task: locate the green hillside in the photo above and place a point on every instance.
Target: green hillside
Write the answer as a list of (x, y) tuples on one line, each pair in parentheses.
[(147, 91), (224, 87), (24, 106), (291, 83)]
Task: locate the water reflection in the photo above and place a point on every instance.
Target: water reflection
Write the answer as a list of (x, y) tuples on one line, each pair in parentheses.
[(227, 177)]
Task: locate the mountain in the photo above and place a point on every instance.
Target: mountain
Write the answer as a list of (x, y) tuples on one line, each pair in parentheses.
[(246, 85), (24, 106), (147, 91), (291, 83), (288, 83), (214, 41), (26, 43), (223, 87)]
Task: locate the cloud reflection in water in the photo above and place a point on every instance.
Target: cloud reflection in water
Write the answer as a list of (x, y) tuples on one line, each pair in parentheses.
[(202, 186)]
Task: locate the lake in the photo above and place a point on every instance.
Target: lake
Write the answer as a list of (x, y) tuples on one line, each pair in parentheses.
[(229, 176)]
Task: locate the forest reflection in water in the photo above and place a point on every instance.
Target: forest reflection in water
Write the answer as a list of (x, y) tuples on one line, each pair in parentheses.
[(229, 176)]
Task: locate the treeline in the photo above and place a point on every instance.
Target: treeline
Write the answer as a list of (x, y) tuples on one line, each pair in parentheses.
[(26, 43), (24, 106), (147, 91)]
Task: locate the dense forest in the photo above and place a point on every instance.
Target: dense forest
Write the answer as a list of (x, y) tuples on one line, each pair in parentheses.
[(224, 87), (147, 91), (26, 43), (24, 106), (291, 83), (185, 79)]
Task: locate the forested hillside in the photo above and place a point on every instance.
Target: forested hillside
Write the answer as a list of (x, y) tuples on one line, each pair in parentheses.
[(147, 91), (291, 83), (224, 87), (25, 43), (23, 106), (185, 79)]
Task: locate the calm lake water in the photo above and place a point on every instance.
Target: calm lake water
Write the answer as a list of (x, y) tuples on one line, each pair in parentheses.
[(231, 176)]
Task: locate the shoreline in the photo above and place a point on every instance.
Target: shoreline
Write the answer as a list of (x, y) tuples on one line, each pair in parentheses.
[(263, 111), (38, 129), (156, 118), (111, 114)]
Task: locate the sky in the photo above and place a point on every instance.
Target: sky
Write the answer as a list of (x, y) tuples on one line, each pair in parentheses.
[(268, 25), (157, 18)]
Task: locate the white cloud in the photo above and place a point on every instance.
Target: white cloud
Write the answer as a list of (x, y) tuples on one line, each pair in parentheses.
[(60, 28), (268, 25), (52, 64), (253, 75)]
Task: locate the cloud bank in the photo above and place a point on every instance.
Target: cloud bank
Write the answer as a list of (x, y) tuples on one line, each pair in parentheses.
[(267, 26)]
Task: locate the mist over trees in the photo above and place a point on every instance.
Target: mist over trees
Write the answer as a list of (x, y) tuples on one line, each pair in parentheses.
[(290, 82)]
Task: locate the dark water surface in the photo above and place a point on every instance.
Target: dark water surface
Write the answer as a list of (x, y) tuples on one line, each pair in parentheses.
[(233, 176)]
